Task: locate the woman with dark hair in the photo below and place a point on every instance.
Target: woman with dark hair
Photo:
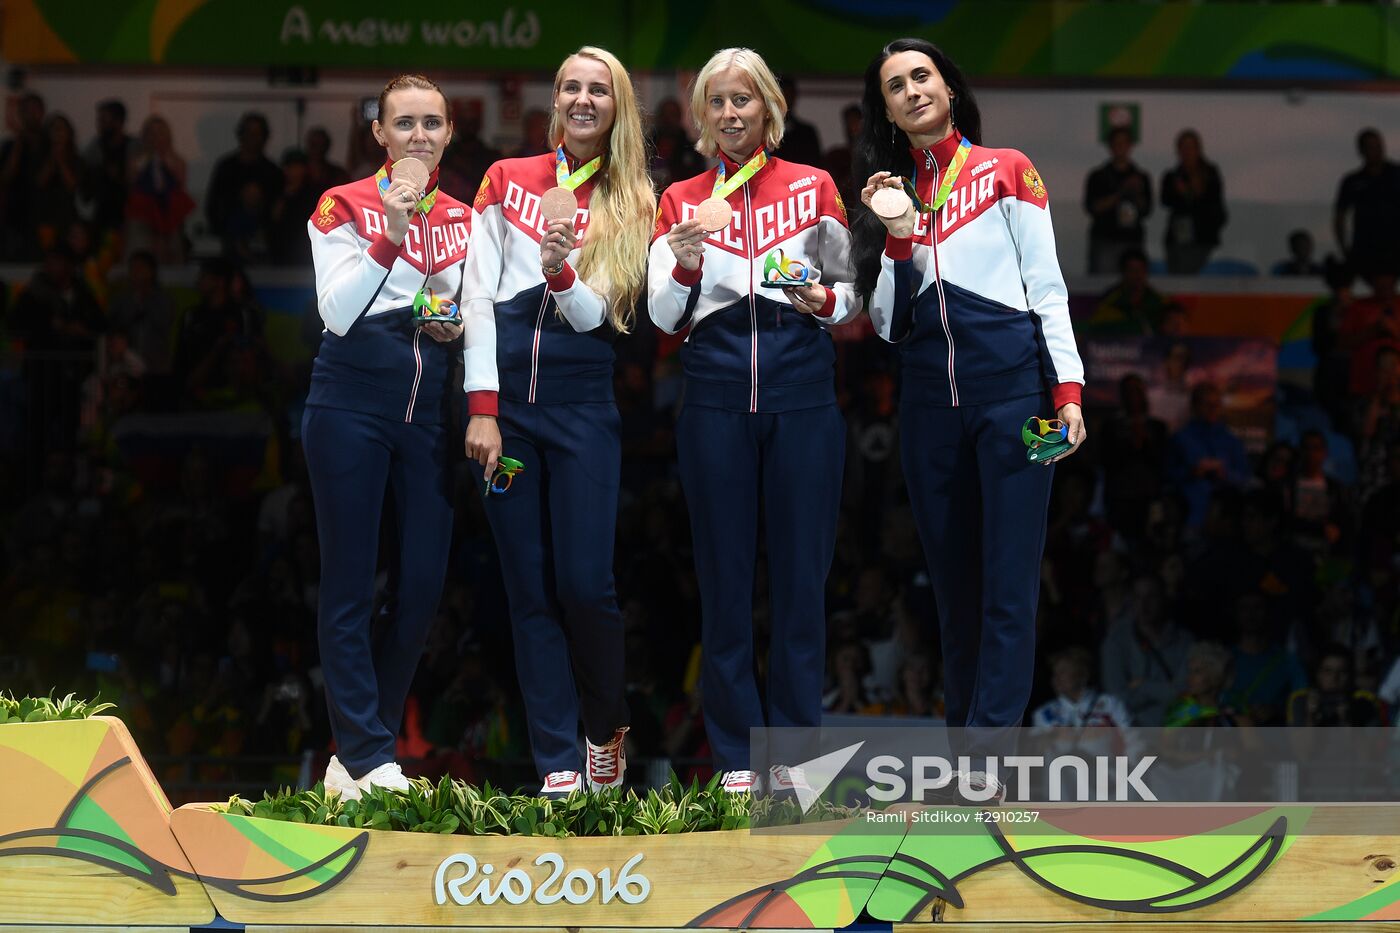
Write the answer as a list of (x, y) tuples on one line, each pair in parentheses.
[(962, 274), (1194, 194)]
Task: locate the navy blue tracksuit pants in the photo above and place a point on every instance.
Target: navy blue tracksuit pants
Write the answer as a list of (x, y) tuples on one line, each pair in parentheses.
[(792, 462), (352, 457), (554, 531), (981, 509)]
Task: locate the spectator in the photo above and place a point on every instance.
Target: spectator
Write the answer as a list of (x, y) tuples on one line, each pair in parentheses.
[(1370, 198), (21, 159), (1380, 529), (673, 155), (888, 654), (1332, 375), (1278, 472), (1118, 197), (57, 183), (534, 134), (850, 664), (146, 312), (321, 172), (1144, 655), (1380, 422), (229, 191), (838, 161), (1263, 561), (297, 201), (158, 202), (1265, 672), (1194, 196), (1133, 450), (468, 157), (1206, 454), (109, 158), (1131, 307), (801, 144), (1076, 704), (363, 154), (918, 695), (1202, 702), (1320, 505), (218, 315), (1169, 395), (58, 318), (1300, 256), (1368, 324)]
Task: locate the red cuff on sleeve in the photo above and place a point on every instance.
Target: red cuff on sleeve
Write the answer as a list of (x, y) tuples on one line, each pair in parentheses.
[(899, 248), (384, 252), (482, 402), (1066, 393), (563, 281), (828, 306), (686, 277)]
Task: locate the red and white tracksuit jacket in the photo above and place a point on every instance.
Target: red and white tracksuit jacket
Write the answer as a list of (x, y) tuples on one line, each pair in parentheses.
[(748, 348), (975, 298), (374, 358)]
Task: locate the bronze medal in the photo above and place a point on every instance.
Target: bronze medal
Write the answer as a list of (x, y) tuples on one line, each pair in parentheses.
[(889, 203), (414, 172), (714, 214), (558, 204)]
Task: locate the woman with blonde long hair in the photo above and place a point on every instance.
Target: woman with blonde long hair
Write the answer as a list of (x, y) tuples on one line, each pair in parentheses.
[(558, 259)]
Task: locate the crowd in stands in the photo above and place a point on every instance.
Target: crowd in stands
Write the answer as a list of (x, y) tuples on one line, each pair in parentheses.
[(159, 538)]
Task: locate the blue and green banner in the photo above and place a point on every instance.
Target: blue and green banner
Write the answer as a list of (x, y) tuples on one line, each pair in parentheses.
[(1038, 39)]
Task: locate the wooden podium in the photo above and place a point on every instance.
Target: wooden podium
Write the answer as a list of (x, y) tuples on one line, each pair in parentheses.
[(87, 839)]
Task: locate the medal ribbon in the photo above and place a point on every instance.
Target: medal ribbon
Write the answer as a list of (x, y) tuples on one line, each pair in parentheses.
[(561, 170), (950, 175), (724, 189), (381, 178)]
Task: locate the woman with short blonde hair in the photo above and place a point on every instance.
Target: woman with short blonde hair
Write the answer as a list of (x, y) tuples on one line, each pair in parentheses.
[(558, 260), (750, 64), (754, 258)]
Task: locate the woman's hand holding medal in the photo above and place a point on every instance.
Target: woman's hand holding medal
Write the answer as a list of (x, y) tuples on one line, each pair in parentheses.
[(556, 245), (400, 198), (884, 196), (687, 241)]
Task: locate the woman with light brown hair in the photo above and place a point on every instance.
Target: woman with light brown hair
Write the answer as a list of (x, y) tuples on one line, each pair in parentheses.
[(748, 257), (388, 253)]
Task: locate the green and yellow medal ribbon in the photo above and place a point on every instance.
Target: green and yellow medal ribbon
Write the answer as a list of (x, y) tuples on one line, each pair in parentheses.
[(724, 189), (381, 178), (950, 176), (571, 181)]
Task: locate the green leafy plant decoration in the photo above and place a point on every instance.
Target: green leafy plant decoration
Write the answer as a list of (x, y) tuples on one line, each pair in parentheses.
[(47, 709), (451, 806)]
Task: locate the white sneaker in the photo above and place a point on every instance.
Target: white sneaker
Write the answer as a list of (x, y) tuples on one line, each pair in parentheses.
[(738, 782), (559, 784), (339, 781), (607, 763), (785, 780), (388, 775), (979, 783)]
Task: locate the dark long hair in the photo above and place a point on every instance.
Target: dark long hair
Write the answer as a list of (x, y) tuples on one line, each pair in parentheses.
[(882, 146)]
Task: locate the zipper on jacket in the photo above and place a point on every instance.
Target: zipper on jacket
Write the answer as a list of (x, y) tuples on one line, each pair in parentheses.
[(417, 375), (938, 283), (753, 308), (535, 349)]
